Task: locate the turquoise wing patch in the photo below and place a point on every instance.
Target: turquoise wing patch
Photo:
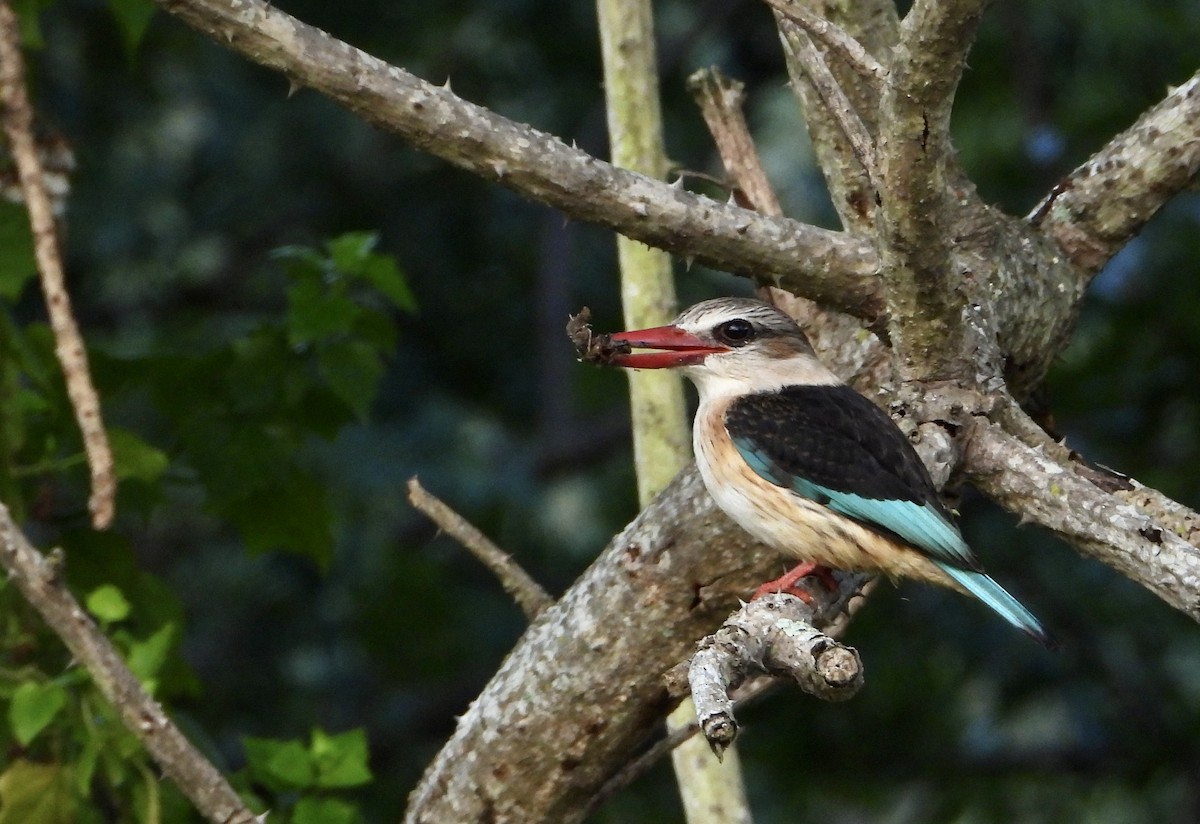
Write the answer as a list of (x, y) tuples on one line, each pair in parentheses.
[(920, 525)]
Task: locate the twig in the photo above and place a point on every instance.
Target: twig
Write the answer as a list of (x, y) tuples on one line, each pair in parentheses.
[(40, 581), (747, 694), (832, 95), (772, 634), (720, 100), (18, 124), (835, 39), (528, 594)]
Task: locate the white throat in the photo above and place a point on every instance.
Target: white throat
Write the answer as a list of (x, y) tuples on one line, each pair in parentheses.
[(726, 376)]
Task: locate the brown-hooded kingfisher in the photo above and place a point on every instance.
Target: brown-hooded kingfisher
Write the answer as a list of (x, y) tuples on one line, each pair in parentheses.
[(803, 462)]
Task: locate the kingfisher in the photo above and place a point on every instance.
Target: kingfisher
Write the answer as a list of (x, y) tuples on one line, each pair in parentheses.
[(802, 461)]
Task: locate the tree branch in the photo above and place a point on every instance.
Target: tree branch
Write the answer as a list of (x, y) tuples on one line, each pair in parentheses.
[(40, 581), (68, 343), (528, 593), (1138, 532), (835, 39), (1096, 209), (924, 301), (874, 25), (772, 634), (826, 266), (533, 748), (720, 100), (834, 99)]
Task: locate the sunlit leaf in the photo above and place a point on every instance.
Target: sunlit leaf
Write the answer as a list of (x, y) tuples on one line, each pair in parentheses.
[(108, 603), (341, 759), (134, 458), (32, 708), (285, 764), (147, 657)]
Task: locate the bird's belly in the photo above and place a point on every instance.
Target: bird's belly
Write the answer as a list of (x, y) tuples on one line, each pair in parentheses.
[(793, 524)]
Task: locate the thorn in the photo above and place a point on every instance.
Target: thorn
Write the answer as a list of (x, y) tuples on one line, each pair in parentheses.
[(500, 168), (640, 209), (446, 85), (677, 183), (732, 199), (293, 87), (688, 260)]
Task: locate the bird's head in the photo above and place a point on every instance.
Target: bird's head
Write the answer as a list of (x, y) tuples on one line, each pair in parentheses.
[(728, 346)]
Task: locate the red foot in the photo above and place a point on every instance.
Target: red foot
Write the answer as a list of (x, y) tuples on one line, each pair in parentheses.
[(789, 582)]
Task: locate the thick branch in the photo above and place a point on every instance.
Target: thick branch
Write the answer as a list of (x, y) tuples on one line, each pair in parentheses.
[(1097, 208), (40, 581), (829, 267), (535, 748), (924, 299), (1139, 532)]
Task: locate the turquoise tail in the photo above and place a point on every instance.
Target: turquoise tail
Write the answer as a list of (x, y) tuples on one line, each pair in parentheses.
[(996, 597)]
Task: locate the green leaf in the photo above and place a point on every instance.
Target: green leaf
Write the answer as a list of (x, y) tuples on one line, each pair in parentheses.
[(17, 266), (315, 313), (135, 458), (85, 766), (292, 516), (354, 253), (33, 707), (146, 658), (133, 16), (108, 604), (324, 811), (352, 369), (280, 764), (36, 794), (341, 760), (382, 272), (349, 251)]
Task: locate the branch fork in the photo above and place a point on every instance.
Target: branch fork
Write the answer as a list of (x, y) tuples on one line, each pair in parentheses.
[(775, 635)]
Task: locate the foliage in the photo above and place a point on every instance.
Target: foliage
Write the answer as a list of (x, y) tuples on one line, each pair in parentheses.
[(268, 392)]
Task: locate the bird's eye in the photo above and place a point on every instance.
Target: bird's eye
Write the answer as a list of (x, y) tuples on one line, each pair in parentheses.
[(735, 332)]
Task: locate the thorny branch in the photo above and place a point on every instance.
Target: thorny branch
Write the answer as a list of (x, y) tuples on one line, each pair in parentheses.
[(68, 343), (1135, 532), (1097, 208), (40, 580), (836, 103), (527, 592), (773, 634), (825, 265)]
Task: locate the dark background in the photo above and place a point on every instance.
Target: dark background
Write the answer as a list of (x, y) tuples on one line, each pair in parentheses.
[(193, 165)]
